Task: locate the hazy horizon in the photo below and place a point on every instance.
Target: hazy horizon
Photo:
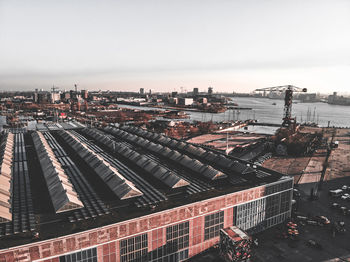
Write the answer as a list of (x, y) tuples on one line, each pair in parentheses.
[(164, 45), (204, 90)]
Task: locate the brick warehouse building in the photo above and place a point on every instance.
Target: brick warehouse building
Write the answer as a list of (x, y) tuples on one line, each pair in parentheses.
[(181, 226)]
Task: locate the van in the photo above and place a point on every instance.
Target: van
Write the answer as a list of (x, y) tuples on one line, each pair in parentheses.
[(336, 193)]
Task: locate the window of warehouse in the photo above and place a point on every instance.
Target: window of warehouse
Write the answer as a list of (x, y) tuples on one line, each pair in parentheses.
[(178, 234), (262, 213), (213, 224), (81, 256), (134, 249), (271, 189), (249, 215), (177, 238)]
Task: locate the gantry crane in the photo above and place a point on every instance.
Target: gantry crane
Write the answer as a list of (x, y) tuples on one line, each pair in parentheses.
[(288, 100)]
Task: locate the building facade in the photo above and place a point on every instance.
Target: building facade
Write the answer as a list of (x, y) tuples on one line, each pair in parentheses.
[(171, 235)]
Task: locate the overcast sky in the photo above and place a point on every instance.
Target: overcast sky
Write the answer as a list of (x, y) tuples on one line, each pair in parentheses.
[(163, 45)]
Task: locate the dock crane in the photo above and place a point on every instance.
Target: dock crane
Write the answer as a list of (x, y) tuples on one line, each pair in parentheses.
[(288, 120)]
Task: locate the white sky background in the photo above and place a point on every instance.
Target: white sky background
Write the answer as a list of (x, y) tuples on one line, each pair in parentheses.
[(162, 45)]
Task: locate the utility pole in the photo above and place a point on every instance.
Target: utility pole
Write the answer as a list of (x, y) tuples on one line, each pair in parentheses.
[(325, 164), (227, 143)]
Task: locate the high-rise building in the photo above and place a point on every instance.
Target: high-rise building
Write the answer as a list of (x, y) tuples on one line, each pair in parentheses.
[(42, 97), (85, 94), (55, 97)]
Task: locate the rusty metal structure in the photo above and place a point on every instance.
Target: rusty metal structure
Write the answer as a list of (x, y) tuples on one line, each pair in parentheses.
[(235, 245), (288, 120)]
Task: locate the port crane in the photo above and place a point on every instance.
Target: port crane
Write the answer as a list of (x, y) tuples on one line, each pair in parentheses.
[(288, 120)]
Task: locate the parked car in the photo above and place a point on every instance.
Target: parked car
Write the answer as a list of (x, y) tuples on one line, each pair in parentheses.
[(301, 218), (322, 219), (345, 196), (335, 205)]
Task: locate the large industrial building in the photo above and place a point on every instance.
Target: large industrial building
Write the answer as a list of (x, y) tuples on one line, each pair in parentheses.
[(70, 193)]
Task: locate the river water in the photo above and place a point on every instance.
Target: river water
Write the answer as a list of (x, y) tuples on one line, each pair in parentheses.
[(264, 110)]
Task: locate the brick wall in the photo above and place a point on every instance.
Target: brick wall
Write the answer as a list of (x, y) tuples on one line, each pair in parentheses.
[(104, 238)]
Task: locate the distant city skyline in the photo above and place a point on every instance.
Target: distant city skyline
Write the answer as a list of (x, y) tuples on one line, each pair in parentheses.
[(164, 45)]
